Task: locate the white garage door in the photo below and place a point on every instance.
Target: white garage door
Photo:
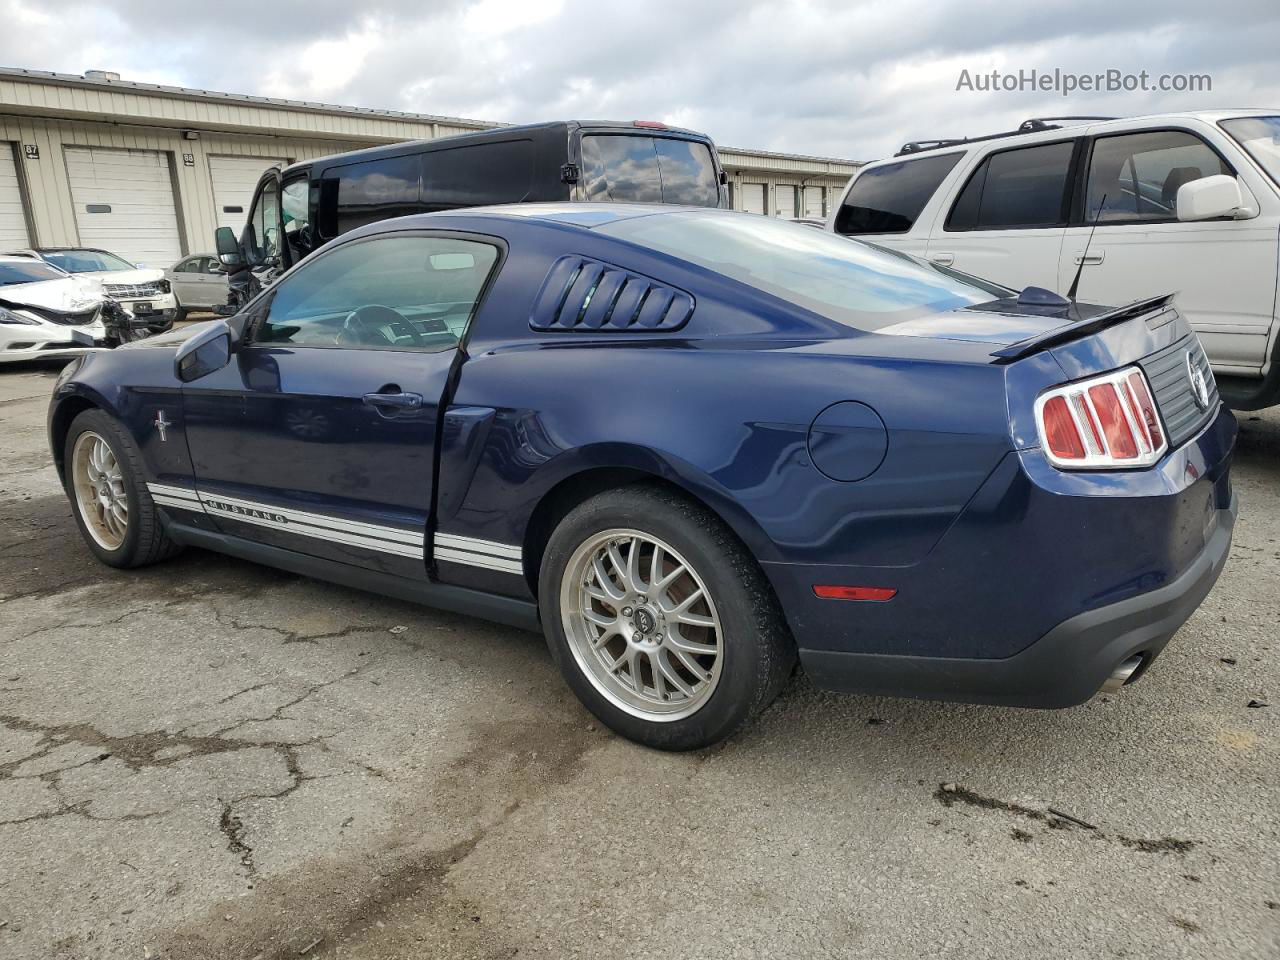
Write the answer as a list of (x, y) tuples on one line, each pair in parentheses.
[(13, 223), (124, 203), (784, 200), (753, 197), (233, 181), (813, 202)]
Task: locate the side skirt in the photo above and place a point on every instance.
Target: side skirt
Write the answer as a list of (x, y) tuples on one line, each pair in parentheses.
[(514, 613)]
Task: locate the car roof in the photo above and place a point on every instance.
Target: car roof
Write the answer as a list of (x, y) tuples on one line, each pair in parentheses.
[(1068, 127)]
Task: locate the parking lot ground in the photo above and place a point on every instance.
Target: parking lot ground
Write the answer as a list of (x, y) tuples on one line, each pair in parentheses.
[(212, 759)]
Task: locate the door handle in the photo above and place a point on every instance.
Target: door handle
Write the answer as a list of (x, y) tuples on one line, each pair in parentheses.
[(394, 401), (1090, 258), (942, 259)]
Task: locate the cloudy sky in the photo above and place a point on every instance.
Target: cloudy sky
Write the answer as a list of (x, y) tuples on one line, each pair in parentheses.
[(847, 79)]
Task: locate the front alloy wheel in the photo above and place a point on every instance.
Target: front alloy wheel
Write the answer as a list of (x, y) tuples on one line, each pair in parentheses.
[(642, 625), (99, 490)]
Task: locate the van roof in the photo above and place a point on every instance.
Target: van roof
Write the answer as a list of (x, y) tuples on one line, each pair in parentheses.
[(498, 134)]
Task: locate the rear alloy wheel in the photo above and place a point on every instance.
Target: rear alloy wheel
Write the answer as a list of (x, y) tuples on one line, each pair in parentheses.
[(641, 624), (660, 620)]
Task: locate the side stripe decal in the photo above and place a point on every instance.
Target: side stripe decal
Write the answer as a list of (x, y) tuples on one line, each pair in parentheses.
[(449, 547), (370, 536)]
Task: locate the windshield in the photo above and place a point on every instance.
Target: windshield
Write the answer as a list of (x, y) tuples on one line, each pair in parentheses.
[(27, 271), (86, 261), (855, 284), (1260, 136), (640, 169)]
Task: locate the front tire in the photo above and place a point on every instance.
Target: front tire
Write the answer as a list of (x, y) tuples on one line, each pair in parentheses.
[(109, 499), (660, 620)]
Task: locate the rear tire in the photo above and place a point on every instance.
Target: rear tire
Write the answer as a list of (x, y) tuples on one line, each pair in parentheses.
[(684, 643), (109, 500)]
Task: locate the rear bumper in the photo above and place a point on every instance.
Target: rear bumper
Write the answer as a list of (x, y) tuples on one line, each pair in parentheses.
[(1064, 667)]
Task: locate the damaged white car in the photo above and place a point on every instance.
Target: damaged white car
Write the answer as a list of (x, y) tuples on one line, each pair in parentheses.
[(45, 312)]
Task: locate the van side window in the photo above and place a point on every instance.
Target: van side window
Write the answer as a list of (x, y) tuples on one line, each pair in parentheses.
[(376, 189), (500, 172), (1140, 173), (888, 199), (1026, 187)]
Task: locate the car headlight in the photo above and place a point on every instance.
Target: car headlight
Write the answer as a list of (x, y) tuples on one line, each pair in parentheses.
[(8, 316)]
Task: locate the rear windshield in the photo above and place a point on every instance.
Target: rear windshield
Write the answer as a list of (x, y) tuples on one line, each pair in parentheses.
[(640, 169), (85, 261), (888, 199), (32, 271), (847, 281)]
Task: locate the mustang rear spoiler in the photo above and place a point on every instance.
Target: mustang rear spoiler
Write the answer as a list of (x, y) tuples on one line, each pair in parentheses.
[(1081, 328)]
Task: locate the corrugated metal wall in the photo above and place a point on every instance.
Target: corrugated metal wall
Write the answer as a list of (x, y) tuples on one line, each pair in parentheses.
[(48, 189)]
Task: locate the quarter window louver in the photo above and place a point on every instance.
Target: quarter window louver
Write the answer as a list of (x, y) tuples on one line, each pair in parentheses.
[(581, 294)]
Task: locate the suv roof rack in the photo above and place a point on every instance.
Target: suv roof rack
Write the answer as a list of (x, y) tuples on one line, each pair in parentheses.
[(1033, 125)]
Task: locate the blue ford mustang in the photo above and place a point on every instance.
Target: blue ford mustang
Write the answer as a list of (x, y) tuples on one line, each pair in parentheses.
[(692, 446)]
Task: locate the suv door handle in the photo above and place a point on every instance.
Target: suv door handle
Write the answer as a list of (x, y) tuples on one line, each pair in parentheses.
[(394, 401), (1090, 257), (942, 259)]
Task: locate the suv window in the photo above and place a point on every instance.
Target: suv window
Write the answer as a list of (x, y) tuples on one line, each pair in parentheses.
[(387, 293), (1025, 187), (888, 199), (1139, 174), (638, 169)]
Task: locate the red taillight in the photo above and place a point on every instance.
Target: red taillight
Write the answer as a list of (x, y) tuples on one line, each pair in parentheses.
[(1105, 422), (1060, 431), (875, 594)]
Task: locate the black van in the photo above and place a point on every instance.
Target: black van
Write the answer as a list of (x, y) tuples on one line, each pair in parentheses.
[(309, 203)]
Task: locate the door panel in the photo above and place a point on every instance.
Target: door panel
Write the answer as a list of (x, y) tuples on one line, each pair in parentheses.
[(1223, 271), (1015, 258), (320, 435)]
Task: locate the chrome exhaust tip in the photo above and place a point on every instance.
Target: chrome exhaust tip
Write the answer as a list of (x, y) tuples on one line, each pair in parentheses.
[(1121, 674)]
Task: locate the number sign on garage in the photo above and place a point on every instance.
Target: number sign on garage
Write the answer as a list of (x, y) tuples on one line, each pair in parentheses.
[(13, 219), (124, 203), (234, 179)]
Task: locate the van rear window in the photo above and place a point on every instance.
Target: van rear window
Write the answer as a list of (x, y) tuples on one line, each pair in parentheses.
[(639, 169), (888, 199)]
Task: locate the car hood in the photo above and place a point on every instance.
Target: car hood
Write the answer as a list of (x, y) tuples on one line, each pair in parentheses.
[(998, 322), (68, 294), (147, 275)]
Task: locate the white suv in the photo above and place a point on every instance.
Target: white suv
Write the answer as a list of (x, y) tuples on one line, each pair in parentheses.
[(1186, 203)]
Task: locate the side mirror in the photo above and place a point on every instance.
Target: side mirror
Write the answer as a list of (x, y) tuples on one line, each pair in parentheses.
[(228, 247), (202, 354), (1209, 197)]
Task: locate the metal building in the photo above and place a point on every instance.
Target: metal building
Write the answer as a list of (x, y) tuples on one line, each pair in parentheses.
[(148, 171)]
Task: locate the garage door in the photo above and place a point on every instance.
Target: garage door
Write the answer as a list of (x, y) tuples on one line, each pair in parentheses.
[(784, 200), (753, 197), (124, 203), (233, 181), (813, 202), (13, 223)]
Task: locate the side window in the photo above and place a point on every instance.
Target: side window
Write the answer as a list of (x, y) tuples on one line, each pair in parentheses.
[(1139, 174), (295, 204), (386, 293), (500, 172), (265, 223), (888, 199), (1026, 187), (190, 265), (376, 190), (688, 172)]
